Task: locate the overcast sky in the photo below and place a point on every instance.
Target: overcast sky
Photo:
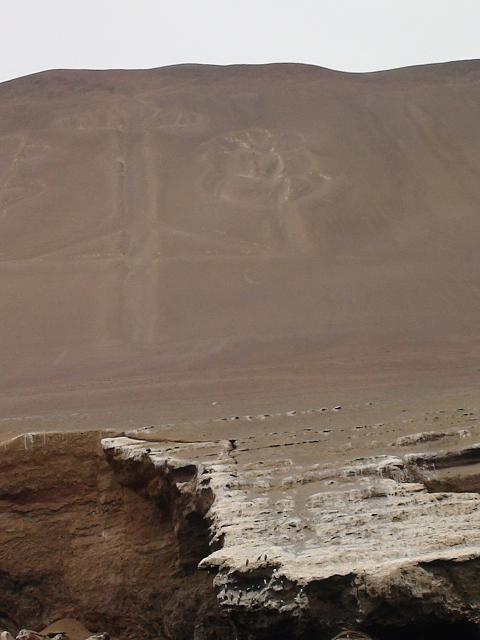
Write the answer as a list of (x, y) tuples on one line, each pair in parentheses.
[(351, 35)]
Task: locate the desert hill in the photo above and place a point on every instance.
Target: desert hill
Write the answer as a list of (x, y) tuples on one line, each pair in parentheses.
[(187, 234), (251, 296)]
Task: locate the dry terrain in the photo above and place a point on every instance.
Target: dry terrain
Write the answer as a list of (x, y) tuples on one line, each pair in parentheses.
[(259, 288)]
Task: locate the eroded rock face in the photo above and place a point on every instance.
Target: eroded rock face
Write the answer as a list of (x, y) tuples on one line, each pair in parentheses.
[(313, 550), (75, 542), (112, 535)]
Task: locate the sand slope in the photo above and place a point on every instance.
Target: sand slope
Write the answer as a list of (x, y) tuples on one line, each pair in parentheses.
[(248, 235)]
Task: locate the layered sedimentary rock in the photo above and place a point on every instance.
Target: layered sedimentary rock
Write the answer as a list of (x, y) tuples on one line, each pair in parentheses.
[(76, 543), (142, 534), (314, 548)]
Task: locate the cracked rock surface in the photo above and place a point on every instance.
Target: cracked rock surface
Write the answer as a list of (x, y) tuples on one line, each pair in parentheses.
[(298, 540), (280, 528)]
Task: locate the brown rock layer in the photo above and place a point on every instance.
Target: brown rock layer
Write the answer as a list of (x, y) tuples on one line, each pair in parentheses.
[(76, 543), (291, 550)]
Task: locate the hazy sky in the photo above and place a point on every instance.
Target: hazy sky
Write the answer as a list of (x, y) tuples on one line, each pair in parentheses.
[(353, 35)]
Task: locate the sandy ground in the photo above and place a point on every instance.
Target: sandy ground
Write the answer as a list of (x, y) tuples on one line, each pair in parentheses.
[(74, 629), (192, 243)]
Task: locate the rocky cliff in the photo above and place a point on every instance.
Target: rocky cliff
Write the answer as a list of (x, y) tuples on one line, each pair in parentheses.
[(76, 543), (152, 537)]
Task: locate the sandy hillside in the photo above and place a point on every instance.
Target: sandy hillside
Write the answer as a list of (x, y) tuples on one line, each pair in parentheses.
[(195, 241)]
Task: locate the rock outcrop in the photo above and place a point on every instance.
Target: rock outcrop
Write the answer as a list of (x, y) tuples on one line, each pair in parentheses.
[(76, 543), (148, 537), (309, 550)]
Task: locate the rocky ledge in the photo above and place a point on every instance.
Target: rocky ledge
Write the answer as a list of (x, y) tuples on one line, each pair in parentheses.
[(149, 536), (380, 543)]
